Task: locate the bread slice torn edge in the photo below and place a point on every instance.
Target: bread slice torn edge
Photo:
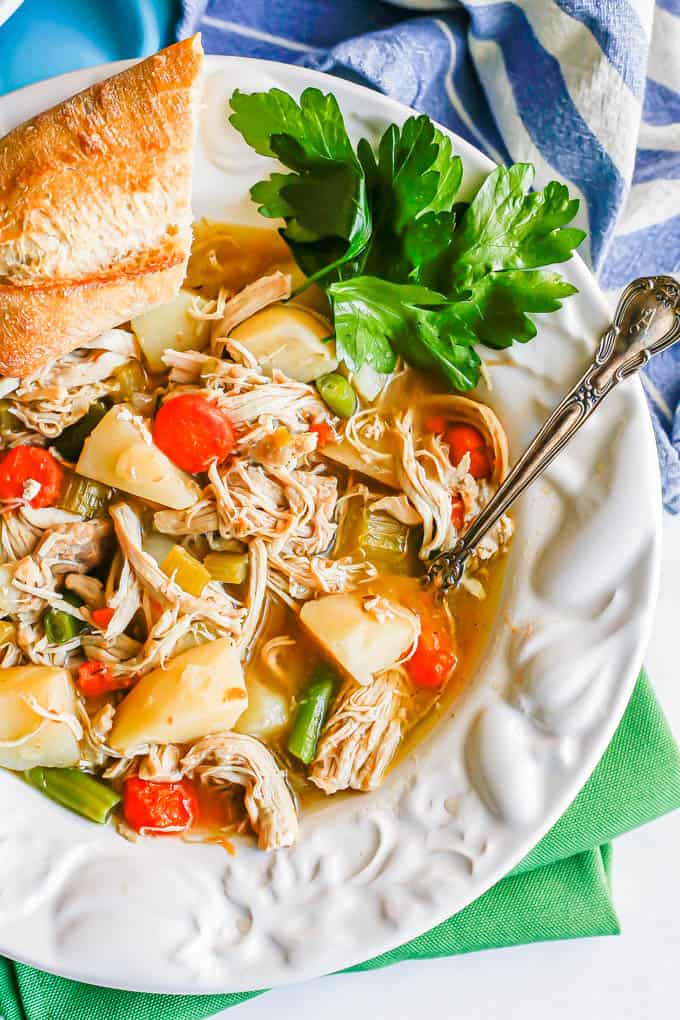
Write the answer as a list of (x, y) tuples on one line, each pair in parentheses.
[(95, 208)]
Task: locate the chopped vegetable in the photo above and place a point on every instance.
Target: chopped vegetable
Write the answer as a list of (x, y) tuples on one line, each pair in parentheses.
[(384, 541), (268, 710), (324, 433), (96, 678), (292, 339), (312, 713), (229, 568), (159, 808), (60, 626), (85, 497), (102, 617), (196, 692), (130, 379), (120, 453), (409, 269), (188, 572), (75, 790), (27, 738), (337, 394), (457, 512), (8, 421), (70, 442), (361, 637), (171, 326), (24, 464), (462, 439), (193, 432), (435, 657)]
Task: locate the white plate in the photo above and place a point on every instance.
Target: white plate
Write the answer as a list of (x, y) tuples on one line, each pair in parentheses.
[(371, 871)]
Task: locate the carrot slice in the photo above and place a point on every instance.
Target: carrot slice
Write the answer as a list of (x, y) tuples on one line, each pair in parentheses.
[(193, 432), (30, 463)]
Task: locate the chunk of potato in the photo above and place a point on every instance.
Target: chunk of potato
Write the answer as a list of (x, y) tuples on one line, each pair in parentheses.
[(291, 339), (200, 691), (120, 452), (362, 642), (53, 743), (268, 710), (171, 326)]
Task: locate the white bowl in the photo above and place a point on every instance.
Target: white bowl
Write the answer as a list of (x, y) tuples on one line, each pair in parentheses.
[(371, 871)]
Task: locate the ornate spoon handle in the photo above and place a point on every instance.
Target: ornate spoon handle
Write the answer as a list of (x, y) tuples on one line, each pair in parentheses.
[(646, 322)]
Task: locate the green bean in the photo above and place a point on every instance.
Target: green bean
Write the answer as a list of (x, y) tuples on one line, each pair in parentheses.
[(312, 712), (338, 394), (75, 790)]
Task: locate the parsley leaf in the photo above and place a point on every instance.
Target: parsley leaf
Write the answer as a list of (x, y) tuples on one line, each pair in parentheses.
[(374, 318), (324, 201), (408, 268), (508, 227), (414, 176), (496, 311)]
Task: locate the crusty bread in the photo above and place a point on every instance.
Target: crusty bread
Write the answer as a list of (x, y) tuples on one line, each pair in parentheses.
[(95, 208)]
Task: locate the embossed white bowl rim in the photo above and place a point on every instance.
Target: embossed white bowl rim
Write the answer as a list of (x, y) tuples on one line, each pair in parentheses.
[(372, 871)]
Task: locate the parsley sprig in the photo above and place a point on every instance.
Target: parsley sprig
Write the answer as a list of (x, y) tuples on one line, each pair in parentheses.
[(408, 268)]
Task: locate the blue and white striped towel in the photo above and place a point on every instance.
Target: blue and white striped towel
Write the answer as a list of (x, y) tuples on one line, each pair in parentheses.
[(587, 90)]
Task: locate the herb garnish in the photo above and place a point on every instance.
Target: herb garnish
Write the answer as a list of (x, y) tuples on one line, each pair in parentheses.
[(408, 268)]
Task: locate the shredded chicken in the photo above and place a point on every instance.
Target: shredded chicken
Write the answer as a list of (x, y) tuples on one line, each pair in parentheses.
[(74, 548), (362, 734), (247, 302), (161, 764), (237, 758), (214, 606), (257, 590), (63, 390)]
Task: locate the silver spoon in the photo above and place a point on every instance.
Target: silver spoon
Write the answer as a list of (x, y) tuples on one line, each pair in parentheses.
[(646, 322)]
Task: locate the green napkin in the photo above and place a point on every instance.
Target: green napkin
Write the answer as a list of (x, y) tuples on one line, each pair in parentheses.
[(561, 890)]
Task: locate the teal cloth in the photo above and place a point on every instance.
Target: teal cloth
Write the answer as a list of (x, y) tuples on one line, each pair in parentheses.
[(560, 891)]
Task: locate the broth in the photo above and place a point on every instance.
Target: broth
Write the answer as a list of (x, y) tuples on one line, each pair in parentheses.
[(233, 256)]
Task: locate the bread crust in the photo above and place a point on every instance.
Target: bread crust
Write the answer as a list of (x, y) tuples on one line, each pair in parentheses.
[(95, 208)]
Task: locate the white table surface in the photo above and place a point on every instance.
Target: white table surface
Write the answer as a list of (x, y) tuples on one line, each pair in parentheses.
[(630, 977)]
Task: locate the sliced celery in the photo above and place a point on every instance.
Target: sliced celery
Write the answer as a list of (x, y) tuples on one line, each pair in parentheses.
[(75, 790), (8, 421), (189, 573), (385, 542), (227, 567), (85, 496), (130, 379)]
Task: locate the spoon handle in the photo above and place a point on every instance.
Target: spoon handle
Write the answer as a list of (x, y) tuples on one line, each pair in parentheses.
[(646, 322)]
